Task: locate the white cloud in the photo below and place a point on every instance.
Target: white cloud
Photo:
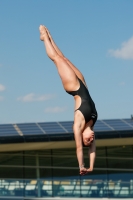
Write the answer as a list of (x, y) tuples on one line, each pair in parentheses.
[(125, 52), (56, 109), (1, 98), (34, 97), (2, 87)]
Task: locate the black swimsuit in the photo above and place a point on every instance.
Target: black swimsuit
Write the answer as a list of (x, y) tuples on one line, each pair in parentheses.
[(87, 107)]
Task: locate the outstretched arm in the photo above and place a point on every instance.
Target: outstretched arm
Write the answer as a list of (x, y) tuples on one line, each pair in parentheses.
[(79, 151), (92, 155)]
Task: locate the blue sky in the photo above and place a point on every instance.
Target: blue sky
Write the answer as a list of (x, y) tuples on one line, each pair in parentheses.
[(97, 36)]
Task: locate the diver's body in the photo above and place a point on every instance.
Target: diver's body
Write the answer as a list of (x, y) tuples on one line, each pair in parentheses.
[(85, 114)]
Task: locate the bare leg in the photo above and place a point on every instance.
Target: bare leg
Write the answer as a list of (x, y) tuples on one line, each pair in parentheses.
[(68, 76), (77, 72)]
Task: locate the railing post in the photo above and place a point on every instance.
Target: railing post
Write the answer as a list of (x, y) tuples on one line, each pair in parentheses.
[(38, 176)]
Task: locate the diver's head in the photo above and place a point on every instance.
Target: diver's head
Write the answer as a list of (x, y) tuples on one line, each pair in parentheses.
[(88, 136)]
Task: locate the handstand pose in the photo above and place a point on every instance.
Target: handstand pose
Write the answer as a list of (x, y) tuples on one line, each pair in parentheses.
[(85, 114)]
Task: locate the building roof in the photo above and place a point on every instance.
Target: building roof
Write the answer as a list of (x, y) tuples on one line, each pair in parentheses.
[(62, 131)]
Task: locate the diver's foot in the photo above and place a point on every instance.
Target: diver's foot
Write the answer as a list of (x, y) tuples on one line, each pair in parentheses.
[(48, 32), (43, 33)]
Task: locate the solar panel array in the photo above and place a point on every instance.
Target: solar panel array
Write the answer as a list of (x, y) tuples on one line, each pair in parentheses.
[(49, 128)]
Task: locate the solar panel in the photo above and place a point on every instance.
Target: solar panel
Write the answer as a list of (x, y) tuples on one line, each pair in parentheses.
[(118, 124), (128, 121), (101, 126), (30, 129), (8, 130), (51, 127), (101, 129), (68, 126)]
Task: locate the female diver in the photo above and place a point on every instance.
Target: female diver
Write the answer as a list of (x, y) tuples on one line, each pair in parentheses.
[(85, 114)]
